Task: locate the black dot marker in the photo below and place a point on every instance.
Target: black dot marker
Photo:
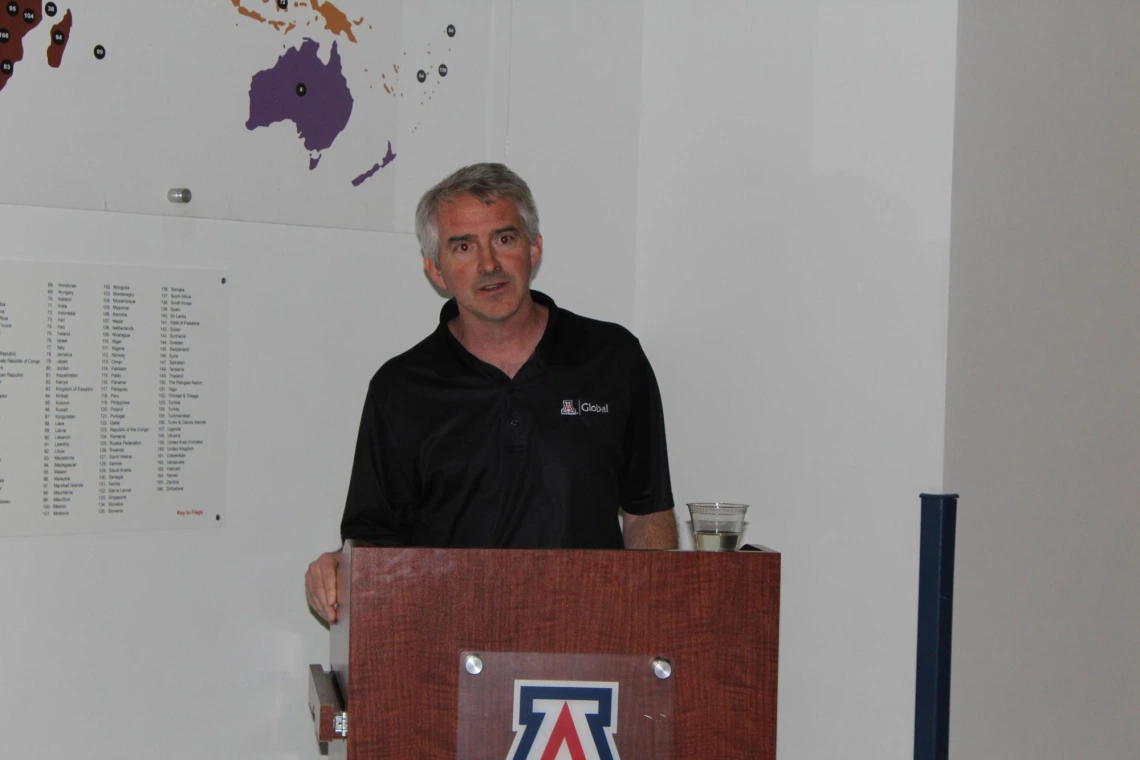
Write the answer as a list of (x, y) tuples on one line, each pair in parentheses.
[(421, 75), (13, 9), (6, 67), (50, 9), (283, 4), (443, 69), (5, 35), (218, 517), (301, 90), (100, 52), (29, 16), (223, 280), (58, 38), (451, 30)]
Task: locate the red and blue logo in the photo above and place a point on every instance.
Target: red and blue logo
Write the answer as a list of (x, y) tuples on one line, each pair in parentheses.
[(565, 720)]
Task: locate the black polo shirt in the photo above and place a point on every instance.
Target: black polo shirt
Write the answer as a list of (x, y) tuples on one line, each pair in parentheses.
[(452, 452)]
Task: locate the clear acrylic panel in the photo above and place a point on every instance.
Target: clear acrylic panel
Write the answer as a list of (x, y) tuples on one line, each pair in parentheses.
[(519, 706)]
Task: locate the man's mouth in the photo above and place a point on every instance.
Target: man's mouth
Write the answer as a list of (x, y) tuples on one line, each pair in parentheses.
[(493, 287)]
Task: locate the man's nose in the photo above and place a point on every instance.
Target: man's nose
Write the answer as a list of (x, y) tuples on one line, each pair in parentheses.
[(488, 261)]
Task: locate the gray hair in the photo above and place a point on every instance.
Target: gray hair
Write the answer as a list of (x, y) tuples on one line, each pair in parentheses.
[(485, 182)]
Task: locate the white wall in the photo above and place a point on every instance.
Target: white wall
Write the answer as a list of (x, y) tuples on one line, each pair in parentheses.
[(793, 236), (196, 644), (575, 101), (762, 189), (1043, 419)]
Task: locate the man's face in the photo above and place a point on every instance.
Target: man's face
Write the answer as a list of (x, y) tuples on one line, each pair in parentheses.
[(485, 260)]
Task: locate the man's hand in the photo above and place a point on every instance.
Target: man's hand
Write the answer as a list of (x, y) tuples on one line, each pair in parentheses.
[(654, 531), (320, 585)]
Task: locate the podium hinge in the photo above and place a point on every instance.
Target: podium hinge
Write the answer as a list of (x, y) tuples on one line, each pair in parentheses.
[(340, 724)]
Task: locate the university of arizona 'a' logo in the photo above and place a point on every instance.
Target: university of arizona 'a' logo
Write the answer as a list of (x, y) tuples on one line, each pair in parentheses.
[(568, 407), (565, 720)]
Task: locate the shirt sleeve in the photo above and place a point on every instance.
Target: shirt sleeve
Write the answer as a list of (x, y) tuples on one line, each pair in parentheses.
[(648, 488), (379, 492)]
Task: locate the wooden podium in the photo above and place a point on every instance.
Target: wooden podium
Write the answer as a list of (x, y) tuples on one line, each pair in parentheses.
[(432, 644)]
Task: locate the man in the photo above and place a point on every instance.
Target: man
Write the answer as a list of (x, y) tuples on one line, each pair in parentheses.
[(516, 423)]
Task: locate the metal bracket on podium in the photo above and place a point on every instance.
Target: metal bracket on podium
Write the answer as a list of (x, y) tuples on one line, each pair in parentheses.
[(326, 706)]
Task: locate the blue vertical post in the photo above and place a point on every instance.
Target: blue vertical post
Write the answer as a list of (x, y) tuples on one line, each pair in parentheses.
[(935, 616)]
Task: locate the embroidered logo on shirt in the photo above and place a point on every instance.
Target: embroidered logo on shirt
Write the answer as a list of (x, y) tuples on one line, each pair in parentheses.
[(584, 407)]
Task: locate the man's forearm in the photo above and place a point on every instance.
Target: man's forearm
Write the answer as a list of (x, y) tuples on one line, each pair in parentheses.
[(653, 531)]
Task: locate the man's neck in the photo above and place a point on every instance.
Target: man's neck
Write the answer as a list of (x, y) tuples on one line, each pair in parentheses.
[(506, 344)]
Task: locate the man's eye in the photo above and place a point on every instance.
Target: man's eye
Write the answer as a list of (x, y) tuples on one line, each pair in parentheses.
[(464, 247), (505, 239)]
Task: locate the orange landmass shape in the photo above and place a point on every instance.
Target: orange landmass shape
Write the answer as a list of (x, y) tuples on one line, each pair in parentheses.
[(54, 51), (247, 12), (335, 19)]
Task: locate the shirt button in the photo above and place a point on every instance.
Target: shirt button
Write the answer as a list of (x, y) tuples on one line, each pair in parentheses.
[(514, 421)]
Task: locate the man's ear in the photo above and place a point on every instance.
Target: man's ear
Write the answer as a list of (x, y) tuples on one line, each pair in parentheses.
[(535, 252), (434, 273)]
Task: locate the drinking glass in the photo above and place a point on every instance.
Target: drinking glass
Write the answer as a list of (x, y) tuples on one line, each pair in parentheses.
[(717, 525)]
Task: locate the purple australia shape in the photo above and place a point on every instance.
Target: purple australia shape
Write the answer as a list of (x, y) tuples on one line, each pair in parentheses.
[(320, 114), (389, 157)]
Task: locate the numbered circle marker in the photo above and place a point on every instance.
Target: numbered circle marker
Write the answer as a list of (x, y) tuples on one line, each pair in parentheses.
[(29, 16), (57, 37), (301, 90), (13, 9), (100, 52), (50, 9), (5, 35), (6, 68), (421, 75), (443, 69), (451, 30)]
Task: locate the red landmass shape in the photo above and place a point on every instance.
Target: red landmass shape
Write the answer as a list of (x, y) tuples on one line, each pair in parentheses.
[(54, 51), (13, 49)]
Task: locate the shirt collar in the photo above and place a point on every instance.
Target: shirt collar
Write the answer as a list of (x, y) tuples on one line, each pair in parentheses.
[(548, 351)]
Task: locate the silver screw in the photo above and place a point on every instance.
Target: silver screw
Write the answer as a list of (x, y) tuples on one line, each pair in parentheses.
[(662, 668), (473, 664), (178, 195)]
